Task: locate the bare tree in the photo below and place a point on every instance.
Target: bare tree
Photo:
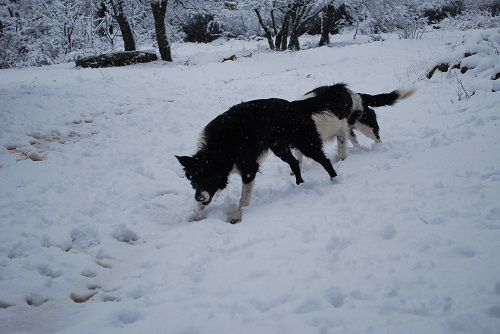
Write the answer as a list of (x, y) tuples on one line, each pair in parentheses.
[(159, 8), (326, 24), (292, 14), (120, 17)]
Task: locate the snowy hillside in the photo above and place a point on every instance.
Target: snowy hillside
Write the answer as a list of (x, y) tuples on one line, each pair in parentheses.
[(94, 210)]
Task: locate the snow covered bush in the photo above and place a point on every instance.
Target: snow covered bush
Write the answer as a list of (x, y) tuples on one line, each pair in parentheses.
[(202, 28), (46, 32), (474, 64), (448, 9), (473, 18), (405, 17), (410, 21)]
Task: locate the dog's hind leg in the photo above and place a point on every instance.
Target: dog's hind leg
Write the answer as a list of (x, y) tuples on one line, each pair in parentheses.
[(315, 152), (284, 153), (299, 156)]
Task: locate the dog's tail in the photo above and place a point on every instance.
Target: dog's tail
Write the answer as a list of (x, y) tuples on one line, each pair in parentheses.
[(386, 99)]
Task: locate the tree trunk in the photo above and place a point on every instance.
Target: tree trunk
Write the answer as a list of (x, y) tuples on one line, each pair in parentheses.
[(283, 34), (159, 9), (266, 30), (326, 25), (293, 44), (127, 34)]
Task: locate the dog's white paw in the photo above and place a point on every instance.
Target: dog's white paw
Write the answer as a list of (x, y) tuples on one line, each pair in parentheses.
[(235, 217), (197, 215), (338, 158)]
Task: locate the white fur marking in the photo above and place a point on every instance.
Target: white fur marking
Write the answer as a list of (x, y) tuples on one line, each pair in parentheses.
[(205, 195), (246, 194), (307, 96), (367, 131), (329, 127), (357, 102)]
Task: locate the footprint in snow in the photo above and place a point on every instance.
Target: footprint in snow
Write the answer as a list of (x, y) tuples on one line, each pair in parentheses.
[(135, 293), (4, 304), (84, 237), (387, 232), (494, 311), (36, 299), (335, 297), (124, 234), (110, 298), (80, 298), (45, 270), (465, 251), (126, 317), (88, 273), (308, 306), (497, 288), (103, 264)]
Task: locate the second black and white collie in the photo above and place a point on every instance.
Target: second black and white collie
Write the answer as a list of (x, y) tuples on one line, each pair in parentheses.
[(238, 138), (342, 110)]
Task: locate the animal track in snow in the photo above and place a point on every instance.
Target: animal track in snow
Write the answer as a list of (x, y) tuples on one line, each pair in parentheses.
[(41, 142), (126, 317), (82, 298), (84, 237), (4, 304), (388, 232), (110, 298), (103, 264), (88, 273), (124, 234), (335, 297), (266, 305), (494, 311), (497, 288), (45, 270), (135, 293), (36, 300), (23, 153), (465, 251), (309, 305)]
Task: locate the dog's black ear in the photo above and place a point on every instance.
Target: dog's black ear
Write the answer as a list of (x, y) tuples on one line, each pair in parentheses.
[(185, 161)]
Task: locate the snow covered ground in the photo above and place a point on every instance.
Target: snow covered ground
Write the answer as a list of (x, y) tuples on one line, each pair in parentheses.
[(95, 235)]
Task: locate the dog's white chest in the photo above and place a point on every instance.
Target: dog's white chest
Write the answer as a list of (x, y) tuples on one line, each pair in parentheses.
[(329, 125)]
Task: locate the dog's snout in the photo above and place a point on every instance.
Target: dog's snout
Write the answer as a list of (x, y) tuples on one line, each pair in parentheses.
[(203, 197)]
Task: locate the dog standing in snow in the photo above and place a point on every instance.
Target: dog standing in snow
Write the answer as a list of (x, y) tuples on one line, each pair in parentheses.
[(238, 138), (337, 110)]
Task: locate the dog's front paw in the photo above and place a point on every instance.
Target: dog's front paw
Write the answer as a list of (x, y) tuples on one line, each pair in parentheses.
[(235, 217), (197, 216), (339, 157)]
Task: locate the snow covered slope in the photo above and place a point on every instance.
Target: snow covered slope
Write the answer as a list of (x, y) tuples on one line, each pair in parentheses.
[(95, 236)]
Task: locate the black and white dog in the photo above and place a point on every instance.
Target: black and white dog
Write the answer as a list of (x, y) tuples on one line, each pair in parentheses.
[(238, 139), (337, 110)]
